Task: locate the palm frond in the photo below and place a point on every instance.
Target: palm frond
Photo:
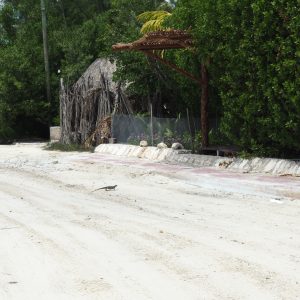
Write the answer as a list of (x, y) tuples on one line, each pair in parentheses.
[(153, 20)]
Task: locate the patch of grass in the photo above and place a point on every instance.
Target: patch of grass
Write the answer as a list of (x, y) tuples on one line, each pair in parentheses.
[(68, 147), (245, 155)]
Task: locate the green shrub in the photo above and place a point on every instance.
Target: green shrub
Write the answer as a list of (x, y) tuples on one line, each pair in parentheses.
[(68, 147)]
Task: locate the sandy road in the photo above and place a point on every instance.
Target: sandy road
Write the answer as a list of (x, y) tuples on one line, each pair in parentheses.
[(167, 232)]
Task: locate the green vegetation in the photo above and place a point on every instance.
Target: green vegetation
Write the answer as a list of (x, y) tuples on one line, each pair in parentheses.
[(253, 52), (67, 148), (153, 20), (251, 48)]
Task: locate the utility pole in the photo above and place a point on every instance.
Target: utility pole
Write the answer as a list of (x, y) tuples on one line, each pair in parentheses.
[(46, 55)]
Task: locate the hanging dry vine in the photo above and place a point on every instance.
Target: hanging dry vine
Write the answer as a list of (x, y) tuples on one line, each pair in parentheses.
[(89, 103)]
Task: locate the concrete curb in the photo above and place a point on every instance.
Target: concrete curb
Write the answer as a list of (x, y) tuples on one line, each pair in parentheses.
[(267, 165), (151, 153), (255, 165)]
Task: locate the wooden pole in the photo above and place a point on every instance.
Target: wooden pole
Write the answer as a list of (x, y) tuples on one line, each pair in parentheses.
[(46, 55), (151, 123), (190, 129), (204, 106)]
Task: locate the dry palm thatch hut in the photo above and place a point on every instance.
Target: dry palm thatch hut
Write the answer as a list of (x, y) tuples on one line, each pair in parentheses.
[(87, 106)]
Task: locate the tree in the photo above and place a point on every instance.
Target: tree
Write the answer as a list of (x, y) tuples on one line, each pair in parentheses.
[(253, 48), (24, 108)]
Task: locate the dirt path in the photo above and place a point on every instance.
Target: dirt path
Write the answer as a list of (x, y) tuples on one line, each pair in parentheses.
[(167, 232)]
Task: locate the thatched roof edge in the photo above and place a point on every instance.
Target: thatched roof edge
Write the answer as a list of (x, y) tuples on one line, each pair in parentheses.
[(159, 40)]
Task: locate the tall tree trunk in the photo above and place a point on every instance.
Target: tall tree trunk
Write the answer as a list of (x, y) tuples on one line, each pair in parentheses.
[(204, 105)]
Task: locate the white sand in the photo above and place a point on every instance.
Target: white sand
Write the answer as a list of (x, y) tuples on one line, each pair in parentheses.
[(167, 232)]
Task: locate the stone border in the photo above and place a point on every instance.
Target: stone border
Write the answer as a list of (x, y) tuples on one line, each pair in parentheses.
[(255, 165)]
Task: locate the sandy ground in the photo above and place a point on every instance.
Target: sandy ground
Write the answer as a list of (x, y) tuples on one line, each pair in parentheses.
[(167, 232)]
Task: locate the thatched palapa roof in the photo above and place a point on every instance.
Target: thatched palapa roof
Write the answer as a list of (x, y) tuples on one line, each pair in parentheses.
[(159, 40)]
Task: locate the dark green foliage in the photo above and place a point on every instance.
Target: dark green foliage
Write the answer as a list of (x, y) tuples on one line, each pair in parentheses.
[(252, 49), (23, 103), (22, 72)]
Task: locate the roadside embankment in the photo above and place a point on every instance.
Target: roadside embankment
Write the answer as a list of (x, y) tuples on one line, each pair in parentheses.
[(256, 165)]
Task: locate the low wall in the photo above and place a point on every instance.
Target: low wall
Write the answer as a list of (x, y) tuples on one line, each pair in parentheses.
[(151, 153), (55, 133), (267, 165), (257, 165)]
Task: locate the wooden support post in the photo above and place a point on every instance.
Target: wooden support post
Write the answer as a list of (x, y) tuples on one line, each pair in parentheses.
[(204, 105), (46, 58), (151, 123)]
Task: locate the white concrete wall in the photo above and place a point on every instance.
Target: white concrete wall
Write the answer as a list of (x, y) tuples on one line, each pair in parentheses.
[(151, 153), (267, 165), (256, 165)]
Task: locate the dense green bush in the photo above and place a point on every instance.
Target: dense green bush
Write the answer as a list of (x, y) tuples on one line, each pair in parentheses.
[(252, 49)]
